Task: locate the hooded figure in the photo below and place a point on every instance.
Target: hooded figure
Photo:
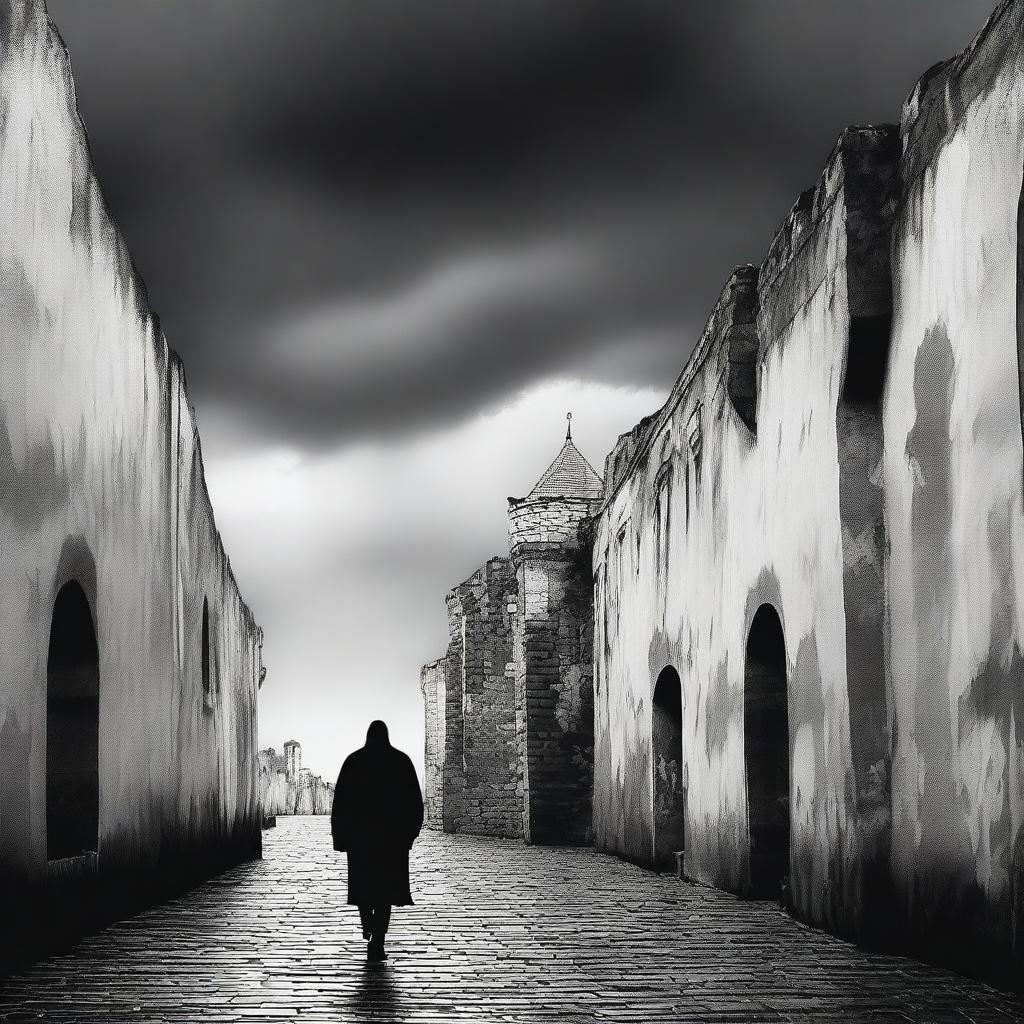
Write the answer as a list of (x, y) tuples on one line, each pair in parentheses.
[(376, 816)]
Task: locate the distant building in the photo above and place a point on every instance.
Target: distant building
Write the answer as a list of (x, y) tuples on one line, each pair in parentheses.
[(288, 788), (293, 757)]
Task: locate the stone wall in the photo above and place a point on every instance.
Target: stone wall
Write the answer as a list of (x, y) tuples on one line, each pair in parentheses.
[(103, 502), (492, 793), (509, 710), (432, 686), (481, 782), (553, 666), (453, 766), (820, 532)]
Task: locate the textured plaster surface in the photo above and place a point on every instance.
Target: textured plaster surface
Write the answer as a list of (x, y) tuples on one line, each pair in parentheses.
[(953, 496), (755, 517), (101, 482), (866, 480)]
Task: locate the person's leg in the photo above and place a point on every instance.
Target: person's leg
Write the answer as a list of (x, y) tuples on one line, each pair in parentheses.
[(366, 920), (381, 920)]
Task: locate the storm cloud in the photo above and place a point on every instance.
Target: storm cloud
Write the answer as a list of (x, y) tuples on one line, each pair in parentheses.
[(337, 207)]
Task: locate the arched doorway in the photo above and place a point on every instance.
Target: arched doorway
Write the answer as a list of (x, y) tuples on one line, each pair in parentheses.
[(766, 750), (667, 758), (72, 728)]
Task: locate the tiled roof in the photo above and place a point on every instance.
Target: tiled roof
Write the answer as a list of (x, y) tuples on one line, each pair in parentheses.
[(569, 476)]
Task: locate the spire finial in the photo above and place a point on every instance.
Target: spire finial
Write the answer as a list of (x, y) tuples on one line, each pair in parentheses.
[(568, 428)]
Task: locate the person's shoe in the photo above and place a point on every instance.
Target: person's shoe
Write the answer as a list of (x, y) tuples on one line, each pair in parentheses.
[(375, 951)]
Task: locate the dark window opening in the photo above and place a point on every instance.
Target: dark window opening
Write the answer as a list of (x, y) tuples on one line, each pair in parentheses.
[(72, 728), (866, 358), (663, 519), (696, 440), (766, 751), (206, 647), (667, 758), (621, 554), (603, 602), (687, 485)]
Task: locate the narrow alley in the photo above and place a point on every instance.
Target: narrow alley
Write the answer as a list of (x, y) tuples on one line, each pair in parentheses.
[(500, 932)]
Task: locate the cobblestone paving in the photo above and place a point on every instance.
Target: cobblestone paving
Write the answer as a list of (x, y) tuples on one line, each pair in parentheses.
[(500, 932)]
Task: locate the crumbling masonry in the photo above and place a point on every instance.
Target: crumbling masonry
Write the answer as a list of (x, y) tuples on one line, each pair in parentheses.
[(509, 709), (288, 788), (808, 565)]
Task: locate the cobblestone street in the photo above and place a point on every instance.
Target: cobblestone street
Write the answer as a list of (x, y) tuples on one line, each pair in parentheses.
[(500, 932)]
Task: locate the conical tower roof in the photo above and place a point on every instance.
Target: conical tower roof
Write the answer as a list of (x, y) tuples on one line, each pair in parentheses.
[(569, 476)]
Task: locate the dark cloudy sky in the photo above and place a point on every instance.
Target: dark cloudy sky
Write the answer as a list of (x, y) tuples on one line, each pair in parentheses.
[(394, 240)]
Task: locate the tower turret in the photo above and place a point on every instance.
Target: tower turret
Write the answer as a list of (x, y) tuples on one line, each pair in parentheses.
[(553, 639)]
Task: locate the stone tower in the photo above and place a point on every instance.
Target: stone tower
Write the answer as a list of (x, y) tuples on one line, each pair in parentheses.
[(553, 637), (292, 758)]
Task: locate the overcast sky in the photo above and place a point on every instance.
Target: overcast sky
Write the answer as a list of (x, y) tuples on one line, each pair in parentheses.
[(395, 241)]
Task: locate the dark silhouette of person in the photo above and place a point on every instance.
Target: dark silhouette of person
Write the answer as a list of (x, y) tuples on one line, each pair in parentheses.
[(375, 818)]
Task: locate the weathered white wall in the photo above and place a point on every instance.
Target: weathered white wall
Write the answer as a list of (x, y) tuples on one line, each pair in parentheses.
[(765, 526), (878, 504), (101, 481), (953, 494)]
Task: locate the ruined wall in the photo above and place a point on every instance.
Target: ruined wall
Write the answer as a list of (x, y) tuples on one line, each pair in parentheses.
[(492, 794), (453, 768), (553, 666), (432, 683), (101, 484), (482, 784), (729, 499), (953, 496), (283, 793)]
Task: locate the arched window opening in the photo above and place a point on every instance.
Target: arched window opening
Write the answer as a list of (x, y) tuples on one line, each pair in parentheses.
[(687, 493), (667, 759), (696, 441), (766, 750), (72, 728), (206, 647), (663, 518)]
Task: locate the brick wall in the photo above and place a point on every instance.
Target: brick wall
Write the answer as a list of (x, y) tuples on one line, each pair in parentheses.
[(554, 667), (492, 793), (483, 786), (452, 775), (432, 686)]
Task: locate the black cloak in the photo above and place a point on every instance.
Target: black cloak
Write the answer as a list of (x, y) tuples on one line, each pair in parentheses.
[(376, 816)]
